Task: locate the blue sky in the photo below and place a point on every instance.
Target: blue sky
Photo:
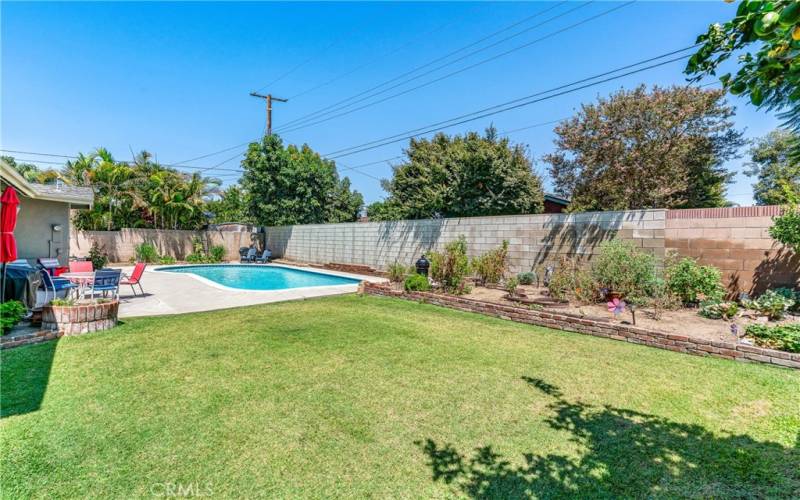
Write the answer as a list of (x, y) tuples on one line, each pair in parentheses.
[(174, 78)]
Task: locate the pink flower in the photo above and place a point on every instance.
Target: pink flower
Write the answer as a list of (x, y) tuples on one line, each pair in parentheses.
[(616, 306)]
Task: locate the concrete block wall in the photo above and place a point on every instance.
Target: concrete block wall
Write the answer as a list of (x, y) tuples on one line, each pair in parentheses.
[(120, 245), (737, 241), (534, 240)]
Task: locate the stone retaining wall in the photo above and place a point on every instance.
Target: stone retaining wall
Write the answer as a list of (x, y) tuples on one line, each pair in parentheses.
[(626, 333)]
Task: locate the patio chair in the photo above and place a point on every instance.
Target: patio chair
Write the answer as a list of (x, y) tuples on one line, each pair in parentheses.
[(264, 258), (106, 280), (81, 266), (135, 278), (51, 265), (249, 257), (54, 285)]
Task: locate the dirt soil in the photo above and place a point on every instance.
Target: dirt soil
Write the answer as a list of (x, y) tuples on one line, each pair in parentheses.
[(685, 321)]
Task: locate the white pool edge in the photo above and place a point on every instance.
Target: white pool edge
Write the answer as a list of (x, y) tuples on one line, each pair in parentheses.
[(348, 288)]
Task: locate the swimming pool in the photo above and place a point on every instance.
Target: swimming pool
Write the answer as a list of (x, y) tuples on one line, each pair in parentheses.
[(260, 277)]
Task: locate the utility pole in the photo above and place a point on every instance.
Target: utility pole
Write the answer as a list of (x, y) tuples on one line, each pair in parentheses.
[(268, 98)]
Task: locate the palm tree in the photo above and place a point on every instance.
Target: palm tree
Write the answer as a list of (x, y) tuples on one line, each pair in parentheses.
[(78, 171)]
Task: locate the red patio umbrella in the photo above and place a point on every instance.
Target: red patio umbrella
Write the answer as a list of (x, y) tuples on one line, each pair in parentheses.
[(8, 219)]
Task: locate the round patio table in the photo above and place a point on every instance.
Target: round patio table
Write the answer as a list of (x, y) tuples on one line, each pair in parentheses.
[(82, 279)]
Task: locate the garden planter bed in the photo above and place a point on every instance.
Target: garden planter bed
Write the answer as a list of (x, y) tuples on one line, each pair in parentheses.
[(627, 333), (80, 318)]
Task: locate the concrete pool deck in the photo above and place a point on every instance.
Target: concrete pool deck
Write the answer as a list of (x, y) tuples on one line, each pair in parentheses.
[(177, 293)]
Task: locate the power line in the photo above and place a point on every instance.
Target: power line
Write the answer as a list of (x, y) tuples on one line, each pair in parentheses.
[(308, 60), (448, 75), (507, 108), (382, 56), (375, 87), (372, 163), (323, 110), (73, 157), (434, 81), (536, 125), (554, 89)]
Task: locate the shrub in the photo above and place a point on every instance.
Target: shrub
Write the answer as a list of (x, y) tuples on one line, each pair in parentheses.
[(789, 294), (491, 266), (146, 252), (98, 256), (570, 280), (716, 309), (692, 282), (66, 301), (622, 267), (451, 267), (196, 258), (166, 259), (783, 337), (511, 286), (397, 272), (416, 283), (526, 278), (662, 299), (770, 304), (217, 253), (11, 312), (786, 228)]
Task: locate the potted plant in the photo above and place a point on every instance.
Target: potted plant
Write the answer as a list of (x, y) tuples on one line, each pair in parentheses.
[(75, 317)]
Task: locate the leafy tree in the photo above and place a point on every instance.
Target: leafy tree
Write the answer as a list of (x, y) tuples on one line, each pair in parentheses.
[(641, 149), (141, 193), (231, 206), (786, 228), (31, 172), (290, 185), (461, 176), (384, 210), (777, 174), (345, 204), (766, 37)]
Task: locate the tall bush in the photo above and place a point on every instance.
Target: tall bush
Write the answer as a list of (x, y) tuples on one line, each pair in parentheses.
[(570, 280), (450, 267), (692, 282), (98, 256), (491, 266), (786, 228), (624, 268), (146, 252)]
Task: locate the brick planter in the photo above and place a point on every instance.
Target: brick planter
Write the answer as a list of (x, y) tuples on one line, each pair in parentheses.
[(626, 333), (80, 318)]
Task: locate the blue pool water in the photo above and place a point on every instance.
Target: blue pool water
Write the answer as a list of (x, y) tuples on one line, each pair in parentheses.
[(257, 277)]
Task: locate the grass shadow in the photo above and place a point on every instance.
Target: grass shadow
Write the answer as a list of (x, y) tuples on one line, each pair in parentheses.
[(24, 375), (624, 454)]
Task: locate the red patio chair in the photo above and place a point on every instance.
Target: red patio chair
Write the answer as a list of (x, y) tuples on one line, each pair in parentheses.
[(81, 266), (135, 278)]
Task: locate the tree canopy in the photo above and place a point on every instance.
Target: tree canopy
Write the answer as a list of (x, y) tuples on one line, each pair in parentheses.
[(766, 38), (291, 185), (640, 149), (141, 193), (461, 176), (777, 173)]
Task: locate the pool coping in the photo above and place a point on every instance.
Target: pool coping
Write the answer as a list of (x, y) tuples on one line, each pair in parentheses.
[(350, 287)]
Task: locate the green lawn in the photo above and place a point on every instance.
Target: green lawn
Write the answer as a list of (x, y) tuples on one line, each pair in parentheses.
[(362, 396)]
